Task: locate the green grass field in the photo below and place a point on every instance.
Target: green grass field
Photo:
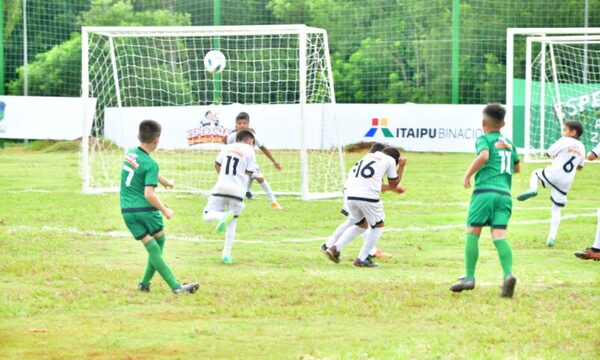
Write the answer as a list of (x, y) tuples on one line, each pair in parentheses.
[(68, 271)]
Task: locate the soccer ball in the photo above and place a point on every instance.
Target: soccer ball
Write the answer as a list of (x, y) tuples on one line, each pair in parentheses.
[(214, 61)]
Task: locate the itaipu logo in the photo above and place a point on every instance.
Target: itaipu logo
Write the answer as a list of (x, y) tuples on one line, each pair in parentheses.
[(375, 124)]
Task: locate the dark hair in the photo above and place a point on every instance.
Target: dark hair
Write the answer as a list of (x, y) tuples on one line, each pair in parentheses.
[(495, 112), (243, 135), (376, 147), (393, 152), (242, 115), (575, 125), (149, 130)]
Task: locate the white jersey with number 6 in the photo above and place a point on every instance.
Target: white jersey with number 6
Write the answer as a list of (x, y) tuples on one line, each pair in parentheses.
[(366, 176), (236, 161), (568, 154)]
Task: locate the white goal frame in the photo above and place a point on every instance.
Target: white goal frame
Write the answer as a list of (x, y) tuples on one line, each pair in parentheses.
[(545, 36), (300, 30)]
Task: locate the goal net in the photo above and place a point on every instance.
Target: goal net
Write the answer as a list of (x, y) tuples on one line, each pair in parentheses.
[(280, 75)]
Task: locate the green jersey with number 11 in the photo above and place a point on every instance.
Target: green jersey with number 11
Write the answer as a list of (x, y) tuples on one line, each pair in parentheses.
[(496, 173), (137, 171)]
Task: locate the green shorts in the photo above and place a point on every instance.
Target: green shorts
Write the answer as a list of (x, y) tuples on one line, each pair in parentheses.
[(143, 223), (490, 208)]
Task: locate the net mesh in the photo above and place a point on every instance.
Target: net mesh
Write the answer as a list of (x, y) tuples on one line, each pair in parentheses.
[(167, 70), (565, 85)]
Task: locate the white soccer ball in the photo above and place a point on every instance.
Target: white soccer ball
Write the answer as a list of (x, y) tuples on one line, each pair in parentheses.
[(214, 61)]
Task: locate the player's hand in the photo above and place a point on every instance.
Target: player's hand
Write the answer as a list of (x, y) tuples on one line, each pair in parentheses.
[(168, 184), (399, 190), (277, 165), (168, 213), (467, 182), (401, 162)]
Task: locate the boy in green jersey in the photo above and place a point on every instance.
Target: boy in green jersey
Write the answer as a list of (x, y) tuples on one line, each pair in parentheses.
[(140, 206), (491, 202)]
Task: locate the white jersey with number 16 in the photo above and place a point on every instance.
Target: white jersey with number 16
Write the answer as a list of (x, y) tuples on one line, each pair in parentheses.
[(366, 176)]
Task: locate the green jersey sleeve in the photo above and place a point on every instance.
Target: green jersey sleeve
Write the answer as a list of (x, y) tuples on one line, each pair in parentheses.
[(482, 144), (151, 177), (515, 155)]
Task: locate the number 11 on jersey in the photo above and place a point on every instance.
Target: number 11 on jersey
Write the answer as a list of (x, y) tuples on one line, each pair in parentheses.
[(505, 159)]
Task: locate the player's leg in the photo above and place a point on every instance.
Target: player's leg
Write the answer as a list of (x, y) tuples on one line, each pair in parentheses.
[(144, 284), (268, 191), (536, 176), (480, 211), (249, 194), (592, 253), (350, 233), (236, 207), (216, 210), (338, 232), (559, 200), (501, 216), (375, 216)]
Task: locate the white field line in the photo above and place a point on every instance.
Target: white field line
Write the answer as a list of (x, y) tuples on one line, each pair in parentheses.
[(123, 234)]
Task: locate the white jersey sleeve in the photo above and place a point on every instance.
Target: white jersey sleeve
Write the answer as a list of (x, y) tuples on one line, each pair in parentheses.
[(554, 149), (596, 150), (392, 173)]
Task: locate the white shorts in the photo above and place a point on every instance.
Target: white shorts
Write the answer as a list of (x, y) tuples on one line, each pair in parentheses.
[(371, 211), (557, 194), (224, 203)]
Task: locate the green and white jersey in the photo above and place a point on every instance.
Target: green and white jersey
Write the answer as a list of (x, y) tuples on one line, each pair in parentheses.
[(496, 173), (137, 171)]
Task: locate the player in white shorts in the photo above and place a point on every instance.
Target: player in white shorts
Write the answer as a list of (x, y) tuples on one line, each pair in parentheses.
[(374, 252), (363, 188), (568, 154), (593, 253), (235, 164), (242, 122)]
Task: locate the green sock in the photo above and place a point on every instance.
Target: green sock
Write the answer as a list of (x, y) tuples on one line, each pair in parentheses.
[(150, 270), (505, 255), (471, 254), (159, 264)]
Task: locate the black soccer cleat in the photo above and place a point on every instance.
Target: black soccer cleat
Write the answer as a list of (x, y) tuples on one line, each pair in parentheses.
[(324, 247), (186, 288), (463, 284), (588, 254), (143, 287), (366, 263), (249, 195), (508, 287), (333, 254)]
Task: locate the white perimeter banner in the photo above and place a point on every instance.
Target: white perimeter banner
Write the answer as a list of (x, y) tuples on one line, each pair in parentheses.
[(37, 117), (436, 128)]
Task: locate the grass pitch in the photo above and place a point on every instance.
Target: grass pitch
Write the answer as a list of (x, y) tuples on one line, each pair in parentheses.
[(68, 271)]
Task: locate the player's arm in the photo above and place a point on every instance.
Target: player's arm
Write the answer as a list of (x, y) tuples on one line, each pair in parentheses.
[(515, 160), (269, 155), (155, 201), (593, 154), (166, 183), (394, 179), (478, 162)]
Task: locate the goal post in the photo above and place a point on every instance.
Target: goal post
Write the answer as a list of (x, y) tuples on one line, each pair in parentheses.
[(280, 74), (559, 68)]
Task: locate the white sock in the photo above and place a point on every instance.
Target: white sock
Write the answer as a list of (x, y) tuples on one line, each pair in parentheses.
[(229, 235), (373, 251), (597, 242), (533, 181), (370, 243), (267, 189), (338, 232), (554, 222), (213, 215), (348, 235), (250, 184)]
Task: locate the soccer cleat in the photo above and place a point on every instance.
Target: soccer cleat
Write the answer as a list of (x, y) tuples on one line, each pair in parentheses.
[(333, 254), (275, 206), (324, 248), (550, 242), (527, 194), (227, 260), (249, 195), (186, 288), (588, 254), (508, 287), (382, 255), (143, 287), (367, 263), (225, 220), (463, 284)]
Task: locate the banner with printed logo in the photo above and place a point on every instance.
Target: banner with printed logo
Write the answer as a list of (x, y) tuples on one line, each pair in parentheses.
[(436, 128), (36, 117)]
